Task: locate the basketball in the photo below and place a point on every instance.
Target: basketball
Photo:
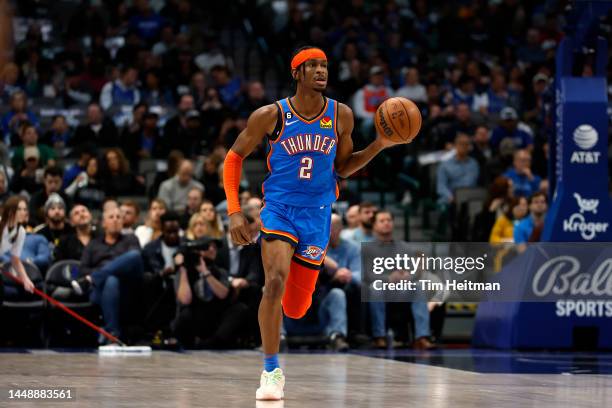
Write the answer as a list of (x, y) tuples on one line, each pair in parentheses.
[(399, 119)]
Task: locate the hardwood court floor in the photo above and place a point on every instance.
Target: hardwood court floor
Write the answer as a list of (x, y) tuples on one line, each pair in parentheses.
[(227, 380)]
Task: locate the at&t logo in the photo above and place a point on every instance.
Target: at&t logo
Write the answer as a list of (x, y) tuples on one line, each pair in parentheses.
[(585, 137)]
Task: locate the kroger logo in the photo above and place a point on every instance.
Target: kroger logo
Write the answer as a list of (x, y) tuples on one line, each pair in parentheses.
[(577, 223), (585, 137)]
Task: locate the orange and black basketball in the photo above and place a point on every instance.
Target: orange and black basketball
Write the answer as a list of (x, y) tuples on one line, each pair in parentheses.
[(399, 119)]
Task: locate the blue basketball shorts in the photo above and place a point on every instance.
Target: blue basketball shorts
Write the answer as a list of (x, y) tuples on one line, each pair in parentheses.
[(307, 229)]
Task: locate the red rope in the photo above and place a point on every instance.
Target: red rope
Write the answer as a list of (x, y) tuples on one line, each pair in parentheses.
[(68, 310)]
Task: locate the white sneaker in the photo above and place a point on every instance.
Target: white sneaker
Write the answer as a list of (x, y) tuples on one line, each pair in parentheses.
[(271, 386)]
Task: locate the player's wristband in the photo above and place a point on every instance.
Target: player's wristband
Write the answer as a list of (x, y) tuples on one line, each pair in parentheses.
[(232, 169)]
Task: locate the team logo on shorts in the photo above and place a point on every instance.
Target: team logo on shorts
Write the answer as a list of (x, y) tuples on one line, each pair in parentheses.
[(312, 252), (326, 122)]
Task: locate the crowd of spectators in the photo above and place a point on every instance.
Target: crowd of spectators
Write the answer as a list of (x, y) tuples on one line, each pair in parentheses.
[(164, 84)]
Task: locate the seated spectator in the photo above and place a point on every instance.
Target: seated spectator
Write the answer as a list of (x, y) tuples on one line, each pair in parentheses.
[(383, 229), (110, 264), (465, 93), (412, 89), (87, 189), (151, 229), (16, 117), (228, 87), (4, 187), (537, 212), (144, 143), (159, 272), (367, 99), (352, 222), (197, 227), (481, 151), (9, 82), (363, 233), (154, 92), (146, 22), (55, 225), (195, 196), (117, 178), (498, 96), (98, 131), (444, 130), (346, 271), (130, 212), (52, 183), (503, 229), (84, 153), (524, 182), (29, 137), (174, 190), (214, 226), (72, 244), (175, 129), (60, 134), (206, 318), (174, 160), (459, 171), (35, 246), (13, 238), (508, 129), (122, 91), (211, 180), (500, 192), (29, 179)]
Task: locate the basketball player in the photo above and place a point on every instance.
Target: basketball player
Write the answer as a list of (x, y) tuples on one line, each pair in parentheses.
[(310, 145)]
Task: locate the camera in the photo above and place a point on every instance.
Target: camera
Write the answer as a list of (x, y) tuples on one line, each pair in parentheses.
[(191, 250)]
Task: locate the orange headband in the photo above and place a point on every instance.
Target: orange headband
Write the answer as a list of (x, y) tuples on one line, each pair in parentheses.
[(307, 54)]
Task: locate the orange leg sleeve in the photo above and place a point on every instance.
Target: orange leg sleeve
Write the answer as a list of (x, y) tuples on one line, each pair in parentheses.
[(299, 288)]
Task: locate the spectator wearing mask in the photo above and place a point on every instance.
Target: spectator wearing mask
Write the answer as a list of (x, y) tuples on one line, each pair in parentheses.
[(55, 225), (72, 245), (524, 229), (98, 131), (174, 191), (35, 247), (108, 264), (151, 229), (459, 171), (52, 183), (524, 182), (206, 318), (122, 91)]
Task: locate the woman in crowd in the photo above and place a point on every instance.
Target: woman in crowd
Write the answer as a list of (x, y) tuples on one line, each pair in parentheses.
[(151, 230), (13, 238), (86, 188), (503, 229), (118, 179), (495, 205), (214, 226), (197, 227)]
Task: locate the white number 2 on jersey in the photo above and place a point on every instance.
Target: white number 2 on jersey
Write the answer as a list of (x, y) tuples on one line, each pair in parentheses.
[(306, 167)]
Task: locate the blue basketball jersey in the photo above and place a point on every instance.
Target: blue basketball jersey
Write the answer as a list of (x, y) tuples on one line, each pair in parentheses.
[(301, 157)]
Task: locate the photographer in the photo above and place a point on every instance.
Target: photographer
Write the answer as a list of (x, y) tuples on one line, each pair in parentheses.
[(159, 273), (206, 318)]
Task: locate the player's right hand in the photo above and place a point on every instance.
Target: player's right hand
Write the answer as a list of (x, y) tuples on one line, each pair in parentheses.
[(239, 229)]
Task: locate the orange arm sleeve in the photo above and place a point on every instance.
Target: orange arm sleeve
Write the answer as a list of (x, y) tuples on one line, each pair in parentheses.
[(232, 169)]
